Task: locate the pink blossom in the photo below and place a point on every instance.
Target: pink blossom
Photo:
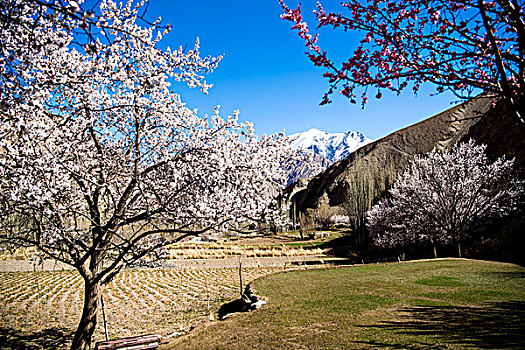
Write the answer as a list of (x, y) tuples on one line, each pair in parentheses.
[(445, 43)]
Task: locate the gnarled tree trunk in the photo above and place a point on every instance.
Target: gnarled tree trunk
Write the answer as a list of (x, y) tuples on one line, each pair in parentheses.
[(88, 321)]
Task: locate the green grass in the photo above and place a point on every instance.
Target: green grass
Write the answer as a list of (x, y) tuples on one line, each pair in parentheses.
[(440, 281), (440, 304)]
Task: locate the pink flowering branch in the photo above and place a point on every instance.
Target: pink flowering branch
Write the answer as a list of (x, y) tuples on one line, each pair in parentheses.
[(464, 47)]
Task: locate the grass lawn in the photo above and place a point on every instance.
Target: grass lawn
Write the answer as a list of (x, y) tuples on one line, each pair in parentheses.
[(440, 304)]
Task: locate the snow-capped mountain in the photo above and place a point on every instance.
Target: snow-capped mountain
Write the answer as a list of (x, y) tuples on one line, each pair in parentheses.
[(332, 146)]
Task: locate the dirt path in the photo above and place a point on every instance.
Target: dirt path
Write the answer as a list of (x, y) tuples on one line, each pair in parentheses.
[(279, 261)]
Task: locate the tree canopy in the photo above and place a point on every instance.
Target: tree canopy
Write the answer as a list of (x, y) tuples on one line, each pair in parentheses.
[(466, 47), (101, 162), (445, 198)]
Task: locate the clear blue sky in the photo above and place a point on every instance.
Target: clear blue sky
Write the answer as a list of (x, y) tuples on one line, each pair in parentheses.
[(265, 74)]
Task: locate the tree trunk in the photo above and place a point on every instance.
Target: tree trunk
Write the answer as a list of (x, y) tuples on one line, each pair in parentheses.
[(88, 321), (459, 249), (434, 249)]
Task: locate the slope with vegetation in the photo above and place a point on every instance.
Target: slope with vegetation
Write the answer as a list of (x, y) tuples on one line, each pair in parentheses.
[(353, 185)]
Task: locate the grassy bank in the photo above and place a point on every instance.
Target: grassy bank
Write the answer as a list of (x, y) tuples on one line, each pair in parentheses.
[(441, 304)]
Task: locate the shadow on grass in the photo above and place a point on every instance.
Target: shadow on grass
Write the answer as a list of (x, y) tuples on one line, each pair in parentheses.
[(47, 339), (496, 326), (507, 275), (340, 246)]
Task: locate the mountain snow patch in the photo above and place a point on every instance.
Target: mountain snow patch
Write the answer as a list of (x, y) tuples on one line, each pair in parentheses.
[(332, 146)]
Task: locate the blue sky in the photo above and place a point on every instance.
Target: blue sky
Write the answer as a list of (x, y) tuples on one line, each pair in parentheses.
[(265, 74)]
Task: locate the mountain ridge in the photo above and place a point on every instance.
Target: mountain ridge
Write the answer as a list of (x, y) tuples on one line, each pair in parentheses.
[(332, 146), (351, 186)]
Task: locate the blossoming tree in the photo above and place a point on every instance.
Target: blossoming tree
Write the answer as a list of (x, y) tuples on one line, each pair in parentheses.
[(462, 46), (101, 163), (443, 197)]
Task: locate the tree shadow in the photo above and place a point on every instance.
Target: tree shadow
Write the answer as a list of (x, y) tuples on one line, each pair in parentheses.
[(507, 275), (341, 246), (496, 326), (47, 339)]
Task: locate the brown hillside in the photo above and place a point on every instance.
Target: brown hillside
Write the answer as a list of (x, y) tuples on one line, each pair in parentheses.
[(351, 186)]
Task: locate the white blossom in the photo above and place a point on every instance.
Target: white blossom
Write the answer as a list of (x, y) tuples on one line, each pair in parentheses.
[(101, 161), (445, 197)]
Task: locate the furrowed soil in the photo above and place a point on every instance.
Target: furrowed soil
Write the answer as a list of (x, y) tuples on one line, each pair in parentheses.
[(40, 309), (41, 303)]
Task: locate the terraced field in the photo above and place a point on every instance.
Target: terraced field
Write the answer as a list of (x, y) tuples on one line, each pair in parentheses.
[(138, 301)]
